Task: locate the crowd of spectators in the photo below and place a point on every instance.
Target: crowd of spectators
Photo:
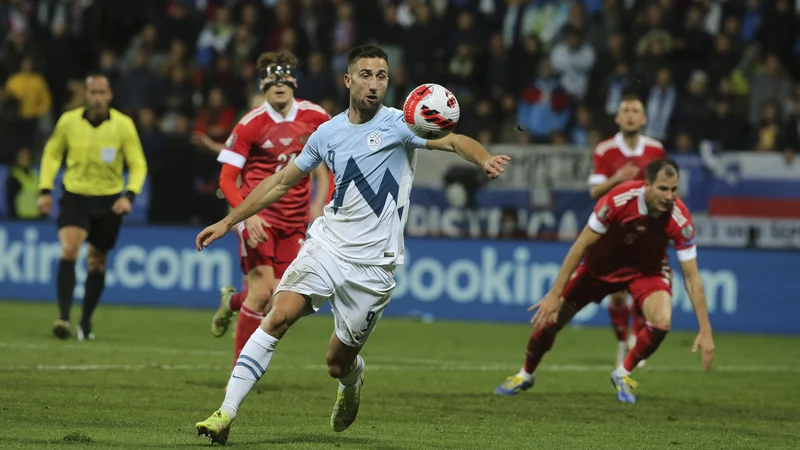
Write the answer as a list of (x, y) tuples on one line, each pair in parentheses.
[(720, 73)]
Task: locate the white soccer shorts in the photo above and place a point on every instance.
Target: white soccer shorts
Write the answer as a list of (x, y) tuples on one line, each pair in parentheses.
[(358, 293)]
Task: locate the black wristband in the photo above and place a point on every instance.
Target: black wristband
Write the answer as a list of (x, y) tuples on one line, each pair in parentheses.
[(46, 191), (130, 195)]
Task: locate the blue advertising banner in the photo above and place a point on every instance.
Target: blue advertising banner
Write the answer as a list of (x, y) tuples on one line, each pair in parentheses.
[(482, 280)]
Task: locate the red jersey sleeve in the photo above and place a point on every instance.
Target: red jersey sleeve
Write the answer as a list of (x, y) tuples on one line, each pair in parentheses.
[(681, 231), (322, 118), (603, 215), (602, 169), (236, 148), (233, 157)]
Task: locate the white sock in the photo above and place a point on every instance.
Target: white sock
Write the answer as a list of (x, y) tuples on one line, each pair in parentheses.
[(348, 382), (621, 370), (527, 376), (251, 365)]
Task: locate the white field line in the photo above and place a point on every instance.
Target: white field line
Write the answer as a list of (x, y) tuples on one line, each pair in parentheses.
[(390, 368), (384, 363)]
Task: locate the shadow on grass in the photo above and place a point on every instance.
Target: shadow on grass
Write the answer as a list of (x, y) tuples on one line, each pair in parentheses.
[(322, 439)]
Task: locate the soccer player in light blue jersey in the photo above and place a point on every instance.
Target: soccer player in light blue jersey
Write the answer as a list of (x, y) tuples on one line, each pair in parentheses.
[(353, 249)]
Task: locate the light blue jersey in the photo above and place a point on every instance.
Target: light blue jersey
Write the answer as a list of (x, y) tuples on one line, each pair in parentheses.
[(373, 167)]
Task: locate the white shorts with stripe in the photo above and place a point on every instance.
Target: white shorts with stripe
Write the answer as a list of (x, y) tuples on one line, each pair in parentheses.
[(358, 293)]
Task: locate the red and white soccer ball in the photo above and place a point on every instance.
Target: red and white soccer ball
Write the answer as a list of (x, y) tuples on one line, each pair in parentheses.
[(431, 111)]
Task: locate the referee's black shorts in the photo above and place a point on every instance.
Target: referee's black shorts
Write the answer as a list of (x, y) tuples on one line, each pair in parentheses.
[(93, 214)]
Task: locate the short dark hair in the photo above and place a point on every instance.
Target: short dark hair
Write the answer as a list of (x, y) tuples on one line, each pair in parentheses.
[(631, 98), (281, 58), (366, 51), (97, 75), (669, 166)]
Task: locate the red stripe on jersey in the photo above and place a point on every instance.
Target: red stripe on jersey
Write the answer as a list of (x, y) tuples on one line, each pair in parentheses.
[(754, 207)]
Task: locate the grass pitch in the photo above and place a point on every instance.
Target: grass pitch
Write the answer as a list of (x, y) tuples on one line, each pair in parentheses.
[(153, 373)]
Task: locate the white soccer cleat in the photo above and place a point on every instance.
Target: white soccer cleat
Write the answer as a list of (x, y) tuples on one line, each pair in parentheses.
[(83, 335)]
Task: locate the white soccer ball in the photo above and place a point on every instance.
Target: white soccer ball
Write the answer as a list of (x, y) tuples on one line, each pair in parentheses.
[(431, 111)]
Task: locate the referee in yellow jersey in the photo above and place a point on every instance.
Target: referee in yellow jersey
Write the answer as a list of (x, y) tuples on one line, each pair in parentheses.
[(98, 142)]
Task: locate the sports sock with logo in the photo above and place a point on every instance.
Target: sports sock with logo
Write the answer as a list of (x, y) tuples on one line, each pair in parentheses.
[(348, 382), (250, 366)]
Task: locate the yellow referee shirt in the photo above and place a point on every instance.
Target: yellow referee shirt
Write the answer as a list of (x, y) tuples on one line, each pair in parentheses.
[(96, 155)]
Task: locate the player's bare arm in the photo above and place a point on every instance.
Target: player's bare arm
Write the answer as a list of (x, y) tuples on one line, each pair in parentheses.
[(471, 150), (548, 308), (321, 179), (694, 287), (203, 140), (269, 191)]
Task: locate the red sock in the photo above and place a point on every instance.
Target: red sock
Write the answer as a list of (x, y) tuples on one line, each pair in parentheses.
[(246, 324), (639, 321), (237, 300), (540, 342), (647, 341), (620, 316)]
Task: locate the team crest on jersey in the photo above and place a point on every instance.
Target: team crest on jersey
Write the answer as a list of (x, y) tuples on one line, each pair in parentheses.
[(290, 277), (687, 231), (304, 139), (374, 140), (231, 141), (603, 213)]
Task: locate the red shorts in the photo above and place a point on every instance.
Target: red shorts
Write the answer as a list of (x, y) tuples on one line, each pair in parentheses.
[(278, 252), (583, 288)]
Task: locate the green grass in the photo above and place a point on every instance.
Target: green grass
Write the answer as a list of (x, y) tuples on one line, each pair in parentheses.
[(153, 373)]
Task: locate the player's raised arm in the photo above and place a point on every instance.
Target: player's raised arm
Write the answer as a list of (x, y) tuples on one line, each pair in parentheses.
[(471, 150)]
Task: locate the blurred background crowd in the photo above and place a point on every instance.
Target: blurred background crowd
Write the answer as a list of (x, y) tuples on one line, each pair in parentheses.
[(711, 73)]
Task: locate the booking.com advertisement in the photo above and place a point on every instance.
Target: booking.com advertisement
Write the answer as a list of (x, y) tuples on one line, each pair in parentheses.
[(443, 279)]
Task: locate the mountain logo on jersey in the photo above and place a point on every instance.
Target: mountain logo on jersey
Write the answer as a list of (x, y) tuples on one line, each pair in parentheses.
[(376, 200), (267, 144), (285, 141), (374, 140)]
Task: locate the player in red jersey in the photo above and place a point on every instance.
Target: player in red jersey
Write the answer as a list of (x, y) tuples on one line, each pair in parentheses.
[(265, 140), (618, 159), (624, 247)]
